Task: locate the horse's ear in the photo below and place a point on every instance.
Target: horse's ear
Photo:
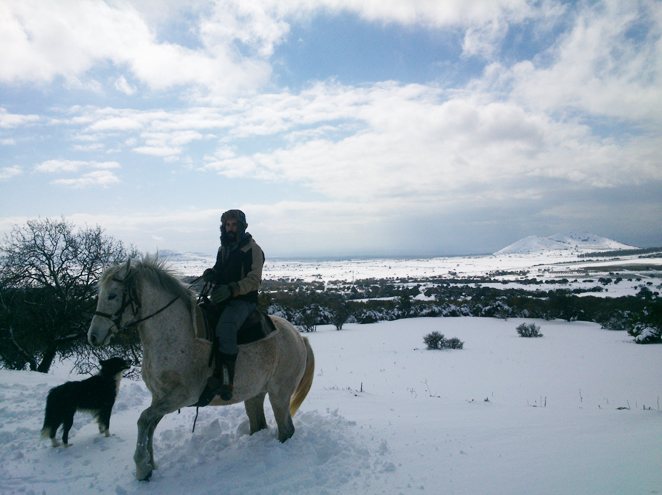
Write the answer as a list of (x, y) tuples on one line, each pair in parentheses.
[(127, 268)]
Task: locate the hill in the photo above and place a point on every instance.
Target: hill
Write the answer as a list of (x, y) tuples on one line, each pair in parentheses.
[(575, 243)]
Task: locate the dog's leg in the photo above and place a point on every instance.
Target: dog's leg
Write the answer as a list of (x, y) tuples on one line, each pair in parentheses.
[(104, 420), (68, 423)]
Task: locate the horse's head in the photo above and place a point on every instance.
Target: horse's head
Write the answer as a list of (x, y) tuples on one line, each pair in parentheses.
[(115, 303)]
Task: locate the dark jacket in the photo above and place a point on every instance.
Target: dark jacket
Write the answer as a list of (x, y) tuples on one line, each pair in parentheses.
[(240, 267)]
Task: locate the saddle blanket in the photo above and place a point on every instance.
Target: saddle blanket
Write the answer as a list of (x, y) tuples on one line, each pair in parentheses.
[(257, 326)]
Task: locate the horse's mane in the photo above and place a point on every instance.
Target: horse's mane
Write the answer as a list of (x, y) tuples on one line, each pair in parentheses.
[(154, 271)]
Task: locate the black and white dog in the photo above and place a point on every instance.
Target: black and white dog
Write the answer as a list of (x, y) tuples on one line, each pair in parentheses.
[(95, 394)]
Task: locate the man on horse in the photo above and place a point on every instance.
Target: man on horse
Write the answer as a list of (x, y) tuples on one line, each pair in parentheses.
[(236, 277)]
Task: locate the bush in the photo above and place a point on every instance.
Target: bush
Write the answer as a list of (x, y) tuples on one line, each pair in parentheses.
[(645, 334), (529, 330), (452, 343), (433, 340), (436, 340)]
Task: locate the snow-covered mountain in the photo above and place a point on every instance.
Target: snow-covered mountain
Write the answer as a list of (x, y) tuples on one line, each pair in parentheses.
[(573, 242)]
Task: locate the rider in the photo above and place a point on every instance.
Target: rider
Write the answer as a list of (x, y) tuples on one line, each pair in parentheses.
[(236, 278)]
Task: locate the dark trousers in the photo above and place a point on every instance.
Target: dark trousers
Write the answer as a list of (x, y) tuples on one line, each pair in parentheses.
[(234, 315)]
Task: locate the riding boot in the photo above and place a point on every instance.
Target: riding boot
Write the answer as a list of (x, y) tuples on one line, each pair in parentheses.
[(228, 361)]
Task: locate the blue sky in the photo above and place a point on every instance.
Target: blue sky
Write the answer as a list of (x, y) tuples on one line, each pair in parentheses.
[(340, 127)]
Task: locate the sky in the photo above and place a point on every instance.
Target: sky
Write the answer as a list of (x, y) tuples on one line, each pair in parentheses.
[(340, 127)]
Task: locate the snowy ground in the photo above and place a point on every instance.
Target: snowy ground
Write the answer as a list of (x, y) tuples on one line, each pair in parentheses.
[(576, 411), (627, 274)]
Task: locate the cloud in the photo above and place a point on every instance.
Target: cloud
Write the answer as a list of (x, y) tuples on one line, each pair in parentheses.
[(7, 173), (102, 178), (419, 142), (12, 120), (484, 39), (161, 151), (122, 85), (101, 174), (45, 41), (232, 40), (607, 64), (68, 166)]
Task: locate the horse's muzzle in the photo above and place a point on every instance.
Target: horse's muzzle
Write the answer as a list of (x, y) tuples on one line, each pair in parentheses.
[(97, 337)]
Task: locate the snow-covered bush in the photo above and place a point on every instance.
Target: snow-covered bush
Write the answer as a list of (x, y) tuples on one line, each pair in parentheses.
[(436, 340), (433, 340), (452, 343), (529, 330), (645, 334)]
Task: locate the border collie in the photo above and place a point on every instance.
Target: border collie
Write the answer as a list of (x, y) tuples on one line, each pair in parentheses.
[(95, 395)]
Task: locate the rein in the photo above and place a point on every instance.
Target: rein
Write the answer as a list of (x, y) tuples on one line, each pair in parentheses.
[(136, 322)]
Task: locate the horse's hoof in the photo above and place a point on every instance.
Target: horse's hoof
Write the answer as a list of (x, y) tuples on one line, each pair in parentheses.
[(143, 474), (147, 477)]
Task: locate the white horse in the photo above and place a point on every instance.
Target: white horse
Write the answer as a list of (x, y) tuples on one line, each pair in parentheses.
[(175, 364)]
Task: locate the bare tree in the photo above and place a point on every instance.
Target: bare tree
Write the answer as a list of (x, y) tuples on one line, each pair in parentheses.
[(49, 270)]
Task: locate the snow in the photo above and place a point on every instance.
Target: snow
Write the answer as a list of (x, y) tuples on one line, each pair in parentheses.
[(546, 264), (505, 415)]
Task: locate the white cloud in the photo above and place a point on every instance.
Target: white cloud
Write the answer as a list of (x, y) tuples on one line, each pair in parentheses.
[(43, 41), (416, 141), (11, 120), (484, 39), (409, 12), (384, 140), (162, 151), (7, 173), (608, 64), (102, 178), (122, 85), (68, 166)]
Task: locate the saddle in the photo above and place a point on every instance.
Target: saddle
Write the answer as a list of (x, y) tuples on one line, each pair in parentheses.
[(257, 326)]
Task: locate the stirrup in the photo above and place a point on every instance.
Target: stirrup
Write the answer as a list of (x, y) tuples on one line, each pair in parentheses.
[(226, 392)]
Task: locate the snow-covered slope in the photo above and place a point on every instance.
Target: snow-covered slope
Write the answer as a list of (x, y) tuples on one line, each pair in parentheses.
[(573, 242)]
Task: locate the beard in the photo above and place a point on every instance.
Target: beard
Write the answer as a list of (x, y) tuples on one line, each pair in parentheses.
[(229, 238)]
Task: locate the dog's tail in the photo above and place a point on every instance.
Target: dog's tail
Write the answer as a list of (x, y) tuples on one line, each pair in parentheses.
[(46, 431)]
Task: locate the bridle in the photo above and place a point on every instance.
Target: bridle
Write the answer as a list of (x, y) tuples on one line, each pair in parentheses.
[(129, 298)]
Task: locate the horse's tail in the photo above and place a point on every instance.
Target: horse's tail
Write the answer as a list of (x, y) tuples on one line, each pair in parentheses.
[(306, 380)]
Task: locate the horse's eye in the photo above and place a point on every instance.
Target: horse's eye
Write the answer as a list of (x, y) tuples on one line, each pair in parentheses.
[(112, 296)]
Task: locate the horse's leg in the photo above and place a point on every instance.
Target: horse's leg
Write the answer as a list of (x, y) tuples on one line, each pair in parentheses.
[(143, 456), (281, 407), (255, 411), (150, 448)]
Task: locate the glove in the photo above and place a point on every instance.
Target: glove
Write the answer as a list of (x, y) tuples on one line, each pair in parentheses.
[(209, 275), (220, 294)]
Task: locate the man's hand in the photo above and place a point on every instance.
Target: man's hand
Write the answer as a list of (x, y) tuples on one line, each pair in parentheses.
[(220, 294)]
